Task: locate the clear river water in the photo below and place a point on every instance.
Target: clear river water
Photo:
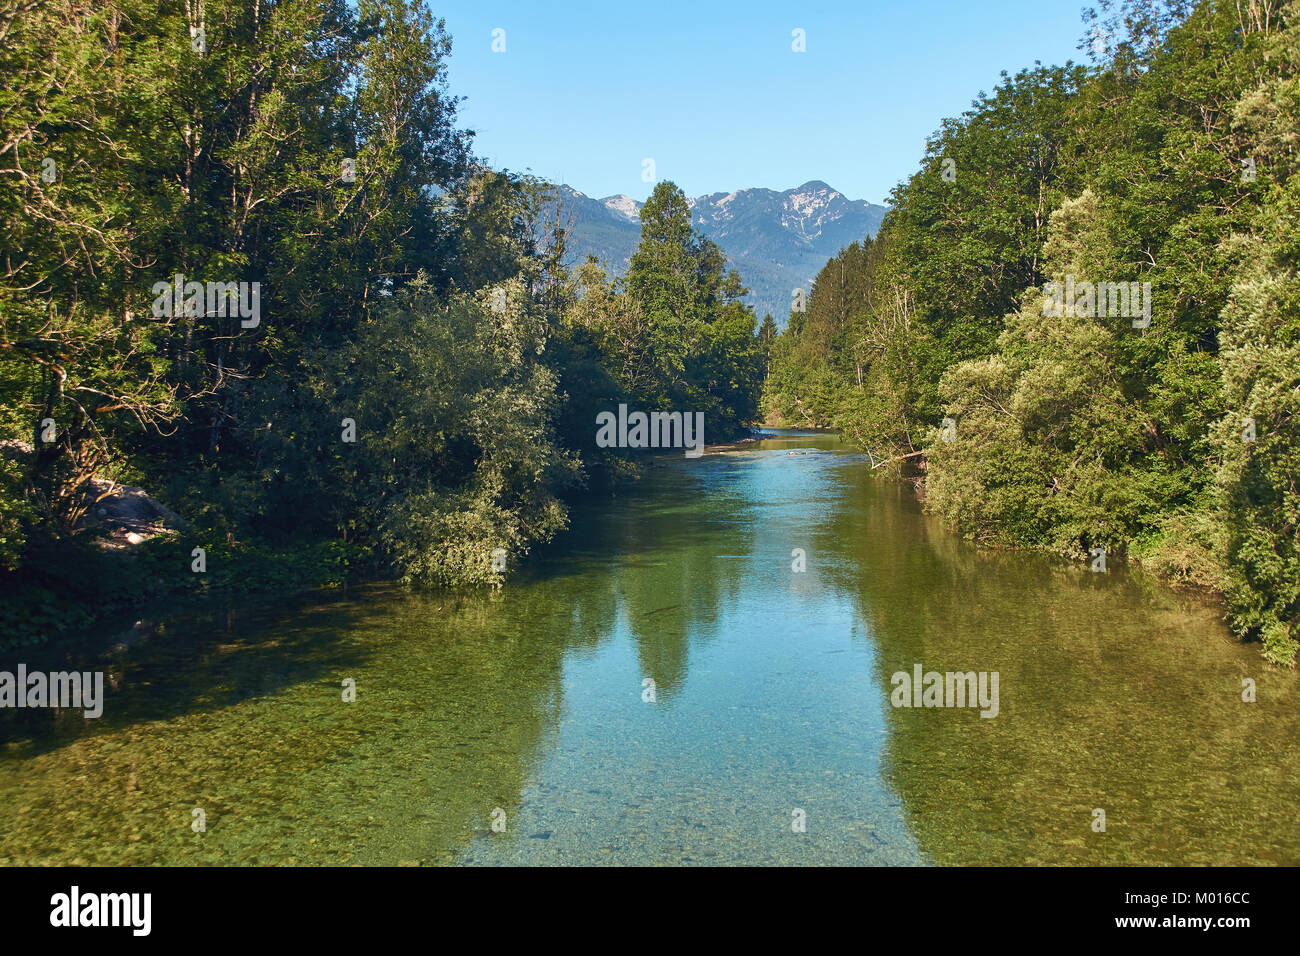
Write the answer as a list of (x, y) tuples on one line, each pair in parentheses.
[(771, 737)]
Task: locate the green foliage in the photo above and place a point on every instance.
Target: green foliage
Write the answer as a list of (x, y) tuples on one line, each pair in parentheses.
[(454, 409), (1079, 431), (674, 334), (309, 147)]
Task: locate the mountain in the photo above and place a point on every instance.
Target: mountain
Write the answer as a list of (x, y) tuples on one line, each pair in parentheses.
[(777, 240)]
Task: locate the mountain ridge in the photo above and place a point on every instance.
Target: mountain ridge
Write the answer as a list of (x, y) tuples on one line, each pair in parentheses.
[(778, 240)]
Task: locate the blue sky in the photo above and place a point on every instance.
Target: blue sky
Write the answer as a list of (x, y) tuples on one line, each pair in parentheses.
[(714, 94)]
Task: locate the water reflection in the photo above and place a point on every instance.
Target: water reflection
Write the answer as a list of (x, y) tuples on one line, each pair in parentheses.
[(1117, 693), (771, 692)]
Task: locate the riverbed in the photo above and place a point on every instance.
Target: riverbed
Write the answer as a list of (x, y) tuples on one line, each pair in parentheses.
[(697, 672)]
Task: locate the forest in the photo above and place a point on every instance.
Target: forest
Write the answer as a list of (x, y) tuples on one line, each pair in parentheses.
[(1031, 418), (375, 363), (252, 265)]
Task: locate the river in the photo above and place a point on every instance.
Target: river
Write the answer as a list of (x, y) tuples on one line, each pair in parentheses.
[(770, 739)]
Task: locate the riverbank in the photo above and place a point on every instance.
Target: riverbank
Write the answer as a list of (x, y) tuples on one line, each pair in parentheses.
[(134, 552), (75, 586), (71, 586), (1187, 564)]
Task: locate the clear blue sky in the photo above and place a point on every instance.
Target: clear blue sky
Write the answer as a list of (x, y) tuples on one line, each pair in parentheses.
[(711, 90)]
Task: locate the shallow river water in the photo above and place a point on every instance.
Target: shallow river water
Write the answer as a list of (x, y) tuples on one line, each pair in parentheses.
[(771, 738)]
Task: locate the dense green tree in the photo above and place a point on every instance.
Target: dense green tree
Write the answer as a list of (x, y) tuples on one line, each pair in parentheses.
[(419, 384), (767, 333), (1258, 482), (1170, 162), (675, 333)]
